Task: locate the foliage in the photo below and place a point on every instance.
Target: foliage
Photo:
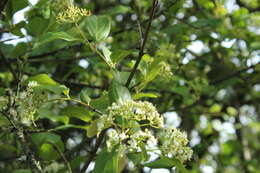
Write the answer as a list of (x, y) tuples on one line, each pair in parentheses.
[(129, 86)]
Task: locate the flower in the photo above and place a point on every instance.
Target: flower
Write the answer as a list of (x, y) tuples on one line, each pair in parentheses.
[(72, 14), (28, 102), (137, 110), (174, 144)]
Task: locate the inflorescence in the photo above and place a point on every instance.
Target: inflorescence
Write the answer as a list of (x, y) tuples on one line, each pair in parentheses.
[(132, 123), (72, 14)]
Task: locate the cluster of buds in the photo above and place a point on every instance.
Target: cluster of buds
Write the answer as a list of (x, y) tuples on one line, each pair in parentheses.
[(72, 14), (165, 70)]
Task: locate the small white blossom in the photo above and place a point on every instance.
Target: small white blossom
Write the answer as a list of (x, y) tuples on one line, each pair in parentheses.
[(174, 144)]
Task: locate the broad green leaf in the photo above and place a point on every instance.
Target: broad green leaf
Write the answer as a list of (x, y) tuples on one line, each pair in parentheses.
[(101, 103), (46, 137), (84, 97), (57, 89), (106, 162), (107, 53), (37, 25), (47, 113), (168, 163), (19, 49), (51, 36), (78, 112), (42, 79), (98, 27), (118, 55), (48, 152), (92, 129), (47, 144), (118, 92), (13, 6)]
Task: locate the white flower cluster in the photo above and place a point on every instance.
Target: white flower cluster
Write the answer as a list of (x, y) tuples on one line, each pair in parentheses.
[(134, 137), (134, 140), (29, 102), (174, 144), (137, 110)]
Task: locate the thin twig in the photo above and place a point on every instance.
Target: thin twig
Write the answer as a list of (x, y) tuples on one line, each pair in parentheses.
[(63, 157), (141, 52)]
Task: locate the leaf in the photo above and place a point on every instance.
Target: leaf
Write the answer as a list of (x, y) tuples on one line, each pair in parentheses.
[(118, 55), (57, 89), (118, 92), (106, 162), (168, 163), (107, 53), (142, 95), (78, 112), (84, 96), (42, 79), (47, 143), (98, 27), (22, 171), (101, 103), (47, 137), (47, 113), (13, 6), (51, 36), (92, 129)]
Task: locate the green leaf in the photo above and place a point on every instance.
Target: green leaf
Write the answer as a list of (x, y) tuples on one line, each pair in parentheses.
[(19, 49), (48, 152), (48, 143), (92, 129), (168, 163), (98, 27), (51, 36), (47, 113), (106, 162), (47, 137), (22, 171), (101, 103), (13, 6), (106, 52), (142, 95), (84, 96), (118, 55), (78, 112), (37, 25), (118, 92), (42, 79), (57, 89)]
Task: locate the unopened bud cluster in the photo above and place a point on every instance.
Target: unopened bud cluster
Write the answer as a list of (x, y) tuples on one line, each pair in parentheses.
[(72, 14)]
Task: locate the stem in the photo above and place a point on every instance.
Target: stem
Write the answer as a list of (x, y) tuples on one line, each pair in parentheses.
[(77, 101), (141, 52), (93, 48)]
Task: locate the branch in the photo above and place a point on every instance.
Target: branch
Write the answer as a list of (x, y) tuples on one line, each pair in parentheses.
[(224, 78), (141, 52)]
